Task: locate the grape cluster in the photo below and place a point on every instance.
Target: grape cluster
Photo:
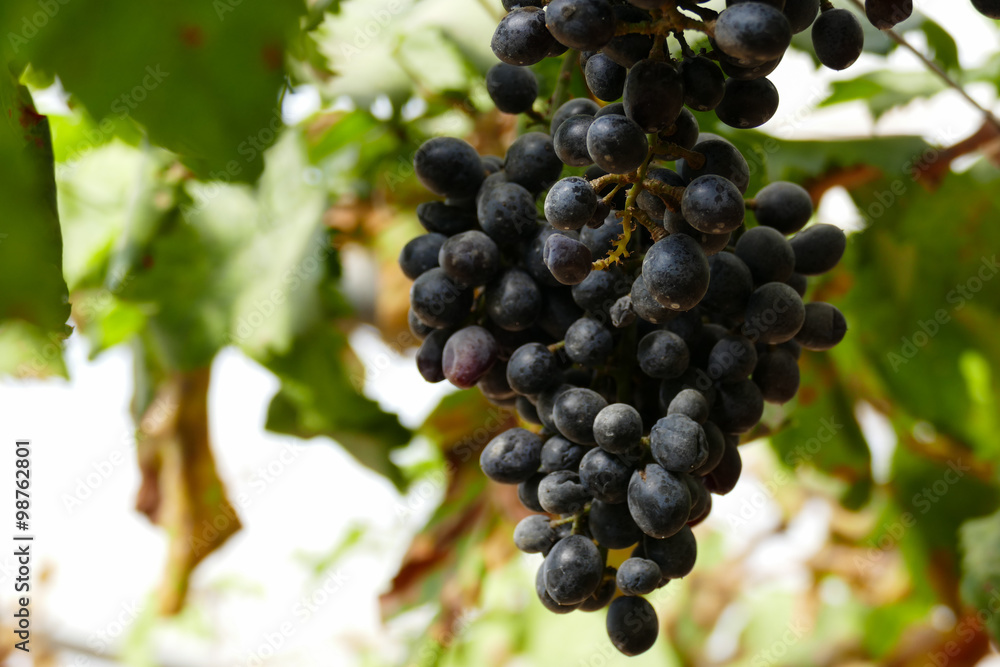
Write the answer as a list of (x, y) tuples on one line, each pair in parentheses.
[(628, 314)]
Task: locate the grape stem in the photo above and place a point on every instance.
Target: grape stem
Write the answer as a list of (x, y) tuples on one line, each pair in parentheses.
[(561, 92), (696, 160), (670, 194), (555, 347), (751, 204), (620, 249)]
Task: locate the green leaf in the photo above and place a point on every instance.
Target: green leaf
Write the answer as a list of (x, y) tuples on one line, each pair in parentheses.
[(320, 395), (980, 586), (943, 48), (884, 90), (34, 303), (204, 82)]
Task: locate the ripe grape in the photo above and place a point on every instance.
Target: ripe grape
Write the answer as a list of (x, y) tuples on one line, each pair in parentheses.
[(837, 38), (632, 625), (573, 570), (785, 206), (512, 89), (449, 167)]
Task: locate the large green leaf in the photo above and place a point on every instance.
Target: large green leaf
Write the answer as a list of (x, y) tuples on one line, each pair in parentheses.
[(33, 302), (202, 77), (318, 397), (884, 90)]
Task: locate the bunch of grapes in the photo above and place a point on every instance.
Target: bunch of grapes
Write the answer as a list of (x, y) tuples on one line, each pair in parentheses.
[(628, 314)]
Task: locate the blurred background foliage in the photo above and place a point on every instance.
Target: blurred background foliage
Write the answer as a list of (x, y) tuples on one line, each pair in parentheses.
[(186, 203)]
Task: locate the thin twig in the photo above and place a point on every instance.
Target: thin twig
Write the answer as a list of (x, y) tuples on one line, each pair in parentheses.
[(936, 69)]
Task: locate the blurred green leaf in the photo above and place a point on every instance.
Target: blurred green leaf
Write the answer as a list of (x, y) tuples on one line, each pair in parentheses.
[(320, 395), (981, 568), (203, 80), (34, 304), (884, 90)]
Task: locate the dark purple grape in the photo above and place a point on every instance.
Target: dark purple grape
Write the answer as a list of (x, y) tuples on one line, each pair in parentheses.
[(605, 77), (753, 32), (532, 162), (513, 89), (574, 412), (818, 249), (617, 144), (508, 215), (678, 444), (838, 38), (774, 314), (767, 254), (534, 534), (580, 106), (713, 204), (570, 203), (569, 260), (420, 254), (722, 159), (632, 625), (586, 25), (676, 271), (663, 355), (573, 570), (785, 206), (732, 359), (612, 525), (777, 375), (531, 369), (561, 492), (653, 95), (659, 501), (801, 14), (570, 140), (729, 287), (514, 302), (468, 356), (748, 104), (521, 37), (692, 404), (738, 406), (605, 476), (449, 167), (431, 354), (823, 328), (512, 457), (674, 555), (704, 83), (638, 576), (470, 258), (438, 301), (618, 428), (588, 343)]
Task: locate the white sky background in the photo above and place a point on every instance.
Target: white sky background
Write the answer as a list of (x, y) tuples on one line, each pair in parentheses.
[(104, 559)]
